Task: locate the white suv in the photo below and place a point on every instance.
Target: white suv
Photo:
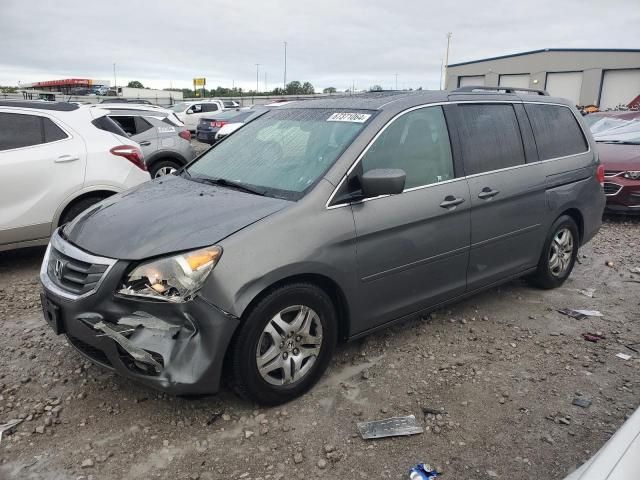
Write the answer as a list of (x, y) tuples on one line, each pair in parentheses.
[(57, 159), (190, 112)]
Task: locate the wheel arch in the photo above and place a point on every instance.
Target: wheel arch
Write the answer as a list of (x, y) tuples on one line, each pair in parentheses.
[(324, 283), (165, 155), (577, 217), (69, 202)]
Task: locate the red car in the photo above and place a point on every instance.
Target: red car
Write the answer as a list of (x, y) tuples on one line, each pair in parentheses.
[(618, 138)]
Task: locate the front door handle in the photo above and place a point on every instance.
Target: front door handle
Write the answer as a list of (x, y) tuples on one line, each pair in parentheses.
[(450, 201), (67, 158), (487, 193), (145, 143)]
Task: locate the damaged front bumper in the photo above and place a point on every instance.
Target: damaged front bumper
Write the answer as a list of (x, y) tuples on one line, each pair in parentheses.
[(174, 347)]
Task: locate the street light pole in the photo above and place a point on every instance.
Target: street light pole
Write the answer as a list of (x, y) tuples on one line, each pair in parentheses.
[(285, 65), (396, 81), (115, 81), (446, 58), (257, 74)]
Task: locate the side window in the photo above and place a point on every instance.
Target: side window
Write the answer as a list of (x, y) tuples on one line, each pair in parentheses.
[(128, 124), (556, 131), (489, 136), (196, 108), (209, 107), (52, 132), (17, 130), (418, 143), (142, 125)]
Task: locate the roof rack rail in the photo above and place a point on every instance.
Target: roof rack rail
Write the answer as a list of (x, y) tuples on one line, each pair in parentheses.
[(483, 88)]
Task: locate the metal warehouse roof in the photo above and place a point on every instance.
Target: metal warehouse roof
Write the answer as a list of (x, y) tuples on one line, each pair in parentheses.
[(601, 50)]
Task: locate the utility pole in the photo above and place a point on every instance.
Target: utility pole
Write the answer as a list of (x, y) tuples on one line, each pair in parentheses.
[(285, 66), (115, 82), (446, 58), (396, 81), (441, 69), (257, 76)]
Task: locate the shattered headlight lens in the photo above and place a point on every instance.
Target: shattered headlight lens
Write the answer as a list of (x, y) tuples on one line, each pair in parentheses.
[(175, 279), (632, 174)]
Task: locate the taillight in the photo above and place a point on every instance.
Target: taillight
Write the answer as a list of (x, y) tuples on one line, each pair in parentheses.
[(185, 134), (131, 153), (218, 124), (600, 174)]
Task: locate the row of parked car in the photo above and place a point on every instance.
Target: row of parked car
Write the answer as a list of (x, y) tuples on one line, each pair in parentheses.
[(75, 155)]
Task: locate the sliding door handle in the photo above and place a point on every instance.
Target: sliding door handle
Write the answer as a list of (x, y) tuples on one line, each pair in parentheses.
[(450, 201), (487, 193)]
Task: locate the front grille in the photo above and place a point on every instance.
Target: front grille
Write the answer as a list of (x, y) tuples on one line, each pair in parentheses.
[(73, 275), (612, 173), (611, 188)]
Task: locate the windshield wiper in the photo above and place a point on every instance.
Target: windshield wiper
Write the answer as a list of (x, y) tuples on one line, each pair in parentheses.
[(227, 183)]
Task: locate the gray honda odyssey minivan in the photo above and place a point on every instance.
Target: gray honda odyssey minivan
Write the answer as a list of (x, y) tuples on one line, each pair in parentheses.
[(318, 222)]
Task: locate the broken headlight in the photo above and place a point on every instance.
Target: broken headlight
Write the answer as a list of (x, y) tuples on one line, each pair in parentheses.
[(632, 174), (175, 279)]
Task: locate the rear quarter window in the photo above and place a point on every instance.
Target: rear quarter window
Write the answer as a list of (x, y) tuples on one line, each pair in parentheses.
[(556, 131)]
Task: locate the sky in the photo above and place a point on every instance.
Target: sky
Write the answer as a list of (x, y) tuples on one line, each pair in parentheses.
[(329, 43)]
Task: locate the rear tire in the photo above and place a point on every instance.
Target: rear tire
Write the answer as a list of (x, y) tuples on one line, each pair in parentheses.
[(77, 207), (558, 255), (291, 332), (164, 167)]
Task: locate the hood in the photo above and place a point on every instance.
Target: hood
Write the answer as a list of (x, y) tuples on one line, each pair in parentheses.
[(619, 157), (165, 216)]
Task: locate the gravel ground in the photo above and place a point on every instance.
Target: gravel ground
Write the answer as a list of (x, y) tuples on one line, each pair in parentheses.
[(502, 368)]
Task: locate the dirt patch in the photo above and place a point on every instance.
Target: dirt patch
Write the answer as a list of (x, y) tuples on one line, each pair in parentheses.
[(496, 374)]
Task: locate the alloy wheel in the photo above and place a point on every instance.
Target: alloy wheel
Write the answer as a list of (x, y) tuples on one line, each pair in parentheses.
[(289, 345), (165, 171), (561, 252)]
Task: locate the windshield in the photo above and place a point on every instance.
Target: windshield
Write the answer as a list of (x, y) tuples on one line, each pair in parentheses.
[(179, 107), (283, 152), (616, 130)]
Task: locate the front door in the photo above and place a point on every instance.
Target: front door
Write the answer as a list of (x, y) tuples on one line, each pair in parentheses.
[(412, 248)]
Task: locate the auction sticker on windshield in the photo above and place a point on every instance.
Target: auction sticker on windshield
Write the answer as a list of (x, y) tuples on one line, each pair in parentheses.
[(349, 117)]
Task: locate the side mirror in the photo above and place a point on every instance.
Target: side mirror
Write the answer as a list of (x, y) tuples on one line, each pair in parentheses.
[(383, 181), (189, 111)]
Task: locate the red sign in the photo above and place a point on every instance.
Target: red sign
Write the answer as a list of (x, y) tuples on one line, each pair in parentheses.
[(69, 82)]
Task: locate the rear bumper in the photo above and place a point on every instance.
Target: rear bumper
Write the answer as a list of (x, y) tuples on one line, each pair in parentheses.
[(177, 348), (206, 137)]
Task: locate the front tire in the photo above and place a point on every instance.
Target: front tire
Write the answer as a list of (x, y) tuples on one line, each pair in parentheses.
[(284, 345), (558, 255)]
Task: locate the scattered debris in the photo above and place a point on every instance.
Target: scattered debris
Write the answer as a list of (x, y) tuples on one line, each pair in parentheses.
[(9, 425), (423, 471), (214, 417), (609, 263), (592, 337), (633, 348), (433, 411), (581, 402), (587, 292), (635, 270), (390, 427), (590, 313), (623, 356), (579, 314), (572, 313)]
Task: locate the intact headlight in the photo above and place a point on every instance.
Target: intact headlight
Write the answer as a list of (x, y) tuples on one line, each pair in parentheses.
[(175, 279), (633, 174)]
